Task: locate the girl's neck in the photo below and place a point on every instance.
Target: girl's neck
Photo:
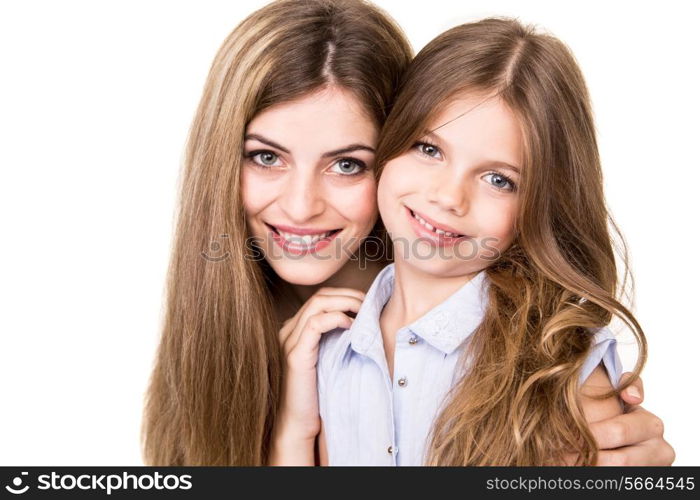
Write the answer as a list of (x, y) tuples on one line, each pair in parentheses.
[(417, 292)]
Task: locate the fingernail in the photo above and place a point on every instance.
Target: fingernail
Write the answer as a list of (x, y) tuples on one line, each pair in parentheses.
[(634, 392)]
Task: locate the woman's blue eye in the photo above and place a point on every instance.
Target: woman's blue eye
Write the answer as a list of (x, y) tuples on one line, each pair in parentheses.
[(346, 166), (428, 149), (267, 158), (263, 158), (502, 182)]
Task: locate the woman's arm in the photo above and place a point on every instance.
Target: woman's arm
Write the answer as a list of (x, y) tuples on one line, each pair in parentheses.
[(631, 438), (298, 422), (596, 410), (635, 438)]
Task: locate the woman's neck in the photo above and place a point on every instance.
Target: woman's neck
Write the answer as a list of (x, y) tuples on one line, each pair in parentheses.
[(352, 275)]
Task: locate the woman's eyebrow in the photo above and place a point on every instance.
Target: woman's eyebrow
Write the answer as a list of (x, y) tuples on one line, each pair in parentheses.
[(348, 149), (265, 140)]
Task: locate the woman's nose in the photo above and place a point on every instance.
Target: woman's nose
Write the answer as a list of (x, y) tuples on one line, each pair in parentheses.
[(302, 198)]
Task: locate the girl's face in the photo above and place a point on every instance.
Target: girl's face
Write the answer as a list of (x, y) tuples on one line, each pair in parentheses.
[(450, 201), (309, 190)]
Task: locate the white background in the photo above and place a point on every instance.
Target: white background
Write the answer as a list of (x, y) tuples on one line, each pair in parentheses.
[(95, 102)]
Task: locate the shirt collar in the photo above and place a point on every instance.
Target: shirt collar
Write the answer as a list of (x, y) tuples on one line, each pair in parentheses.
[(445, 326)]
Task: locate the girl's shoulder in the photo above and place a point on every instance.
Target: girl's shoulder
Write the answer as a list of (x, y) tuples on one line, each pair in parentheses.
[(603, 350), (331, 347)]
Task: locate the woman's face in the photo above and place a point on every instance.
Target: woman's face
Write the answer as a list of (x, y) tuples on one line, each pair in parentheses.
[(449, 203), (309, 190)]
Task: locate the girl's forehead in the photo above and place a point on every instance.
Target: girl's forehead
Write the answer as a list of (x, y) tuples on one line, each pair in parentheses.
[(460, 106)]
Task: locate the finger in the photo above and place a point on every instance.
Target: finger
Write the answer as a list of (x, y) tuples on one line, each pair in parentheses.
[(333, 290), (634, 394), (314, 305), (318, 325), (323, 304), (286, 329), (627, 429), (304, 354), (655, 452), (310, 306)]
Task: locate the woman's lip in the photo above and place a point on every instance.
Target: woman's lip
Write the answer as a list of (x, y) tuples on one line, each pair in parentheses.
[(300, 231), (297, 249), (436, 225), (432, 237)]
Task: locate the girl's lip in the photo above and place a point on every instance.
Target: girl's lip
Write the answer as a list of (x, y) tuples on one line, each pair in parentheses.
[(295, 248), (435, 223), (432, 237)]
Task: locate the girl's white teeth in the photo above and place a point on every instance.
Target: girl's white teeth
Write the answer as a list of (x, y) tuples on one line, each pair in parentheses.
[(305, 240), (430, 227)]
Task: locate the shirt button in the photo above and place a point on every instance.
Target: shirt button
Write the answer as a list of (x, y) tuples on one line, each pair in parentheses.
[(402, 382), (390, 449), (413, 340)]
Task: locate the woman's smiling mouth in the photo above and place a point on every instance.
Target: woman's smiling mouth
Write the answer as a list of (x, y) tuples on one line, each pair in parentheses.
[(300, 241)]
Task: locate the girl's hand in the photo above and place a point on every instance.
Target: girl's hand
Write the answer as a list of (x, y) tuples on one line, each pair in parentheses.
[(298, 421)]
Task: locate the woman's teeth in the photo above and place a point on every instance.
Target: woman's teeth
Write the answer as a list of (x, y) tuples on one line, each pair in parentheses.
[(430, 227), (305, 240)]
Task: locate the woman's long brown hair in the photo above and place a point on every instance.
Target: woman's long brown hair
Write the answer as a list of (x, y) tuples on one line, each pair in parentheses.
[(215, 386), (518, 403)]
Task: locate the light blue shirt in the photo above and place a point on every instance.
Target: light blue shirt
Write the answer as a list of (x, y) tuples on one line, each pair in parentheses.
[(370, 419)]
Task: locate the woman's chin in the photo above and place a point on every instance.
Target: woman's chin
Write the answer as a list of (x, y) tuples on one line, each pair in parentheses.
[(307, 273)]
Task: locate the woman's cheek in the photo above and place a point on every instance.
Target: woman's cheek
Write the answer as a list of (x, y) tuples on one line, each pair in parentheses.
[(357, 203), (257, 193)]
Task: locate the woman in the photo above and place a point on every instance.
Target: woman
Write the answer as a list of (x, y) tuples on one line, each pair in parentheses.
[(215, 389)]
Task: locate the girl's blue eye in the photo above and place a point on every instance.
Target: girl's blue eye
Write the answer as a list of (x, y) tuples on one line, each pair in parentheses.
[(264, 158), (348, 166), (501, 181), (428, 149)]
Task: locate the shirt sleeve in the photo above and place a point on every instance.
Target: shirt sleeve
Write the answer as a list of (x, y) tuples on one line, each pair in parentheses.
[(604, 348)]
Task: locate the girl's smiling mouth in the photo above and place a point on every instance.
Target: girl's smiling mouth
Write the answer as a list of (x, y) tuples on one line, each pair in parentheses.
[(436, 233)]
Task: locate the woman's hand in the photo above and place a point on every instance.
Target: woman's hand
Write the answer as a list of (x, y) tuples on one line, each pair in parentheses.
[(634, 437), (298, 421)]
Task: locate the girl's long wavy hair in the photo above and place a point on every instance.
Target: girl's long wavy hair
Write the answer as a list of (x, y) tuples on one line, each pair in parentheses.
[(518, 402), (214, 390)]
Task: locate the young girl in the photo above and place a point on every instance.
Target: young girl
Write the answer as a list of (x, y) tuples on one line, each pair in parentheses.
[(483, 343)]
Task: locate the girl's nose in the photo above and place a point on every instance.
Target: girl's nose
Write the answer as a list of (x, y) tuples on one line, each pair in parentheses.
[(449, 193), (302, 197)]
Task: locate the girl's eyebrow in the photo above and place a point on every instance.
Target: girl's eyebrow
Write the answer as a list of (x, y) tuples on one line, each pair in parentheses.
[(346, 149)]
